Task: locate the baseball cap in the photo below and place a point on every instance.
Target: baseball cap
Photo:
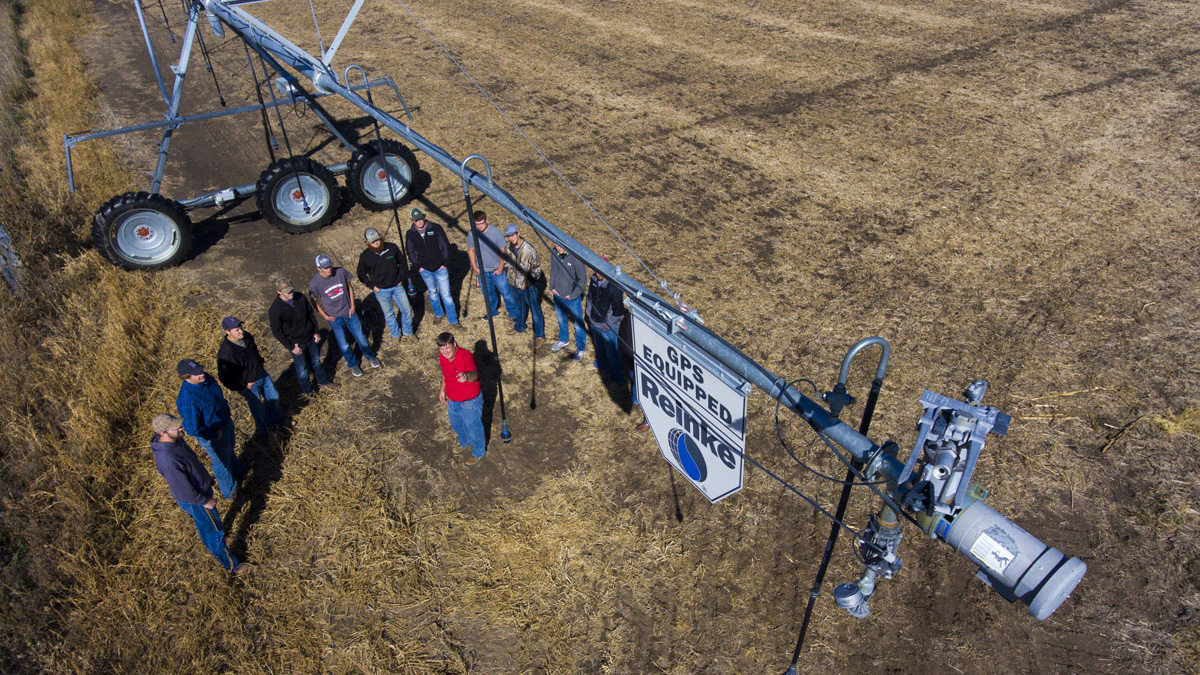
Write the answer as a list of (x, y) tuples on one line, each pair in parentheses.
[(230, 322), (284, 285), (372, 235), (189, 367), (510, 230), (165, 422), (416, 214), (324, 261)]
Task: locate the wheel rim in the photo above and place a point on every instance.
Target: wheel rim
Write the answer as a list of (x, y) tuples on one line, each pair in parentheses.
[(301, 198), (146, 236), (375, 184)]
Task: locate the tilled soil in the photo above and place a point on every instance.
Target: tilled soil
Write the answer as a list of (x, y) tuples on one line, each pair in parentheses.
[(1004, 191)]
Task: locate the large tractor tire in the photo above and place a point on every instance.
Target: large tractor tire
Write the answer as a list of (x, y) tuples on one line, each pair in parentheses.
[(142, 231), (297, 195), (377, 184)]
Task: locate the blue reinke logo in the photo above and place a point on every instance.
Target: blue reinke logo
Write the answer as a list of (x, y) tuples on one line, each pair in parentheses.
[(687, 452)]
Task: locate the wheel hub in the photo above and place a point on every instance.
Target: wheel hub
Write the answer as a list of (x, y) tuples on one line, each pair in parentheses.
[(147, 236), (302, 199), (387, 181)]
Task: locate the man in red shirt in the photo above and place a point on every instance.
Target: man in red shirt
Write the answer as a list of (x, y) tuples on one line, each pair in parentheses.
[(462, 395)]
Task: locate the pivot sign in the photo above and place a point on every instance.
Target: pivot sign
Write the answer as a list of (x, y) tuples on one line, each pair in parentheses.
[(697, 419)]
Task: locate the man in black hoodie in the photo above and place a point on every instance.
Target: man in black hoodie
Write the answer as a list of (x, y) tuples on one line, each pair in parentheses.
[(605, 312), (383, 269), (240, 369), (429, 252), (191, 486), (295, 326)]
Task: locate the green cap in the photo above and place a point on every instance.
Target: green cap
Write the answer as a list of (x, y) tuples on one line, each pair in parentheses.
[(416, 214)]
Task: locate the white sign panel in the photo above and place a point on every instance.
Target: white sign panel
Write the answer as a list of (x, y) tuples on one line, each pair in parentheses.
[(698, 420)]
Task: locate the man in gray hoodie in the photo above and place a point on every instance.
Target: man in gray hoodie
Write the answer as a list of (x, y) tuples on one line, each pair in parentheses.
[(568, 283), (191, 486)]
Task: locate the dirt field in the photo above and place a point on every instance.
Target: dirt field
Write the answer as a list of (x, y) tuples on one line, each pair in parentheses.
[(1003, 190)]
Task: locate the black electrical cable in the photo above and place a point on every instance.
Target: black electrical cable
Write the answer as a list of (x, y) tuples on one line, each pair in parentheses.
[(266, 119), (857, 555), (862, 480), (287, 144), (859, 478), (166, 22), (798, 493), (209, 68), (382, 158)]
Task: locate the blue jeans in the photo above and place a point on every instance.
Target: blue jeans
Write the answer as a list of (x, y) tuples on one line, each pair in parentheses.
[(309, 354), (438, 283), (608, 352), (225, 464), (212, 533), (568, 312), (498, 288), (266, 416), (466, 419), (399, 296), (353, 324), (526, 302)]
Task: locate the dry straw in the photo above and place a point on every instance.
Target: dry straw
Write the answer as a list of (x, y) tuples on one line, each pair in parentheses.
[(575, 549)]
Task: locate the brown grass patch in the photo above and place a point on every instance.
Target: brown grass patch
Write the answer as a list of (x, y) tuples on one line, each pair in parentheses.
[(980, 240)]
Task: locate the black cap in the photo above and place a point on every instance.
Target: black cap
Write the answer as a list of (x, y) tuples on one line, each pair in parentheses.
[(189, 367)]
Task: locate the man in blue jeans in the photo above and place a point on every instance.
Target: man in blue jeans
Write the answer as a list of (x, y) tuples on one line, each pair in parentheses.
[(568, 281), (489, 269), (191, 486), (333, 297), (294, 324), (606, 311), (523, 271), (463, 396), (429, 251), (383, 269), (240, 369), (207, 419)]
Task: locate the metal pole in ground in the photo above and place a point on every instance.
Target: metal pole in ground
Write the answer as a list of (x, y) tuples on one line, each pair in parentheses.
[(837, 399), (505, 434)]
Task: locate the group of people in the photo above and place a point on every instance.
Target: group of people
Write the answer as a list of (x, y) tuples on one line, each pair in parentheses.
[(507, 269)]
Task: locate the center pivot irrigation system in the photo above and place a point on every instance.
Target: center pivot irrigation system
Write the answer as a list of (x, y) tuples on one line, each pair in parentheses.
[(930, 487)]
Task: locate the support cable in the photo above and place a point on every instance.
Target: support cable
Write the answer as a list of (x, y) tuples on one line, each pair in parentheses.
[(588, 204), (320, 42)]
